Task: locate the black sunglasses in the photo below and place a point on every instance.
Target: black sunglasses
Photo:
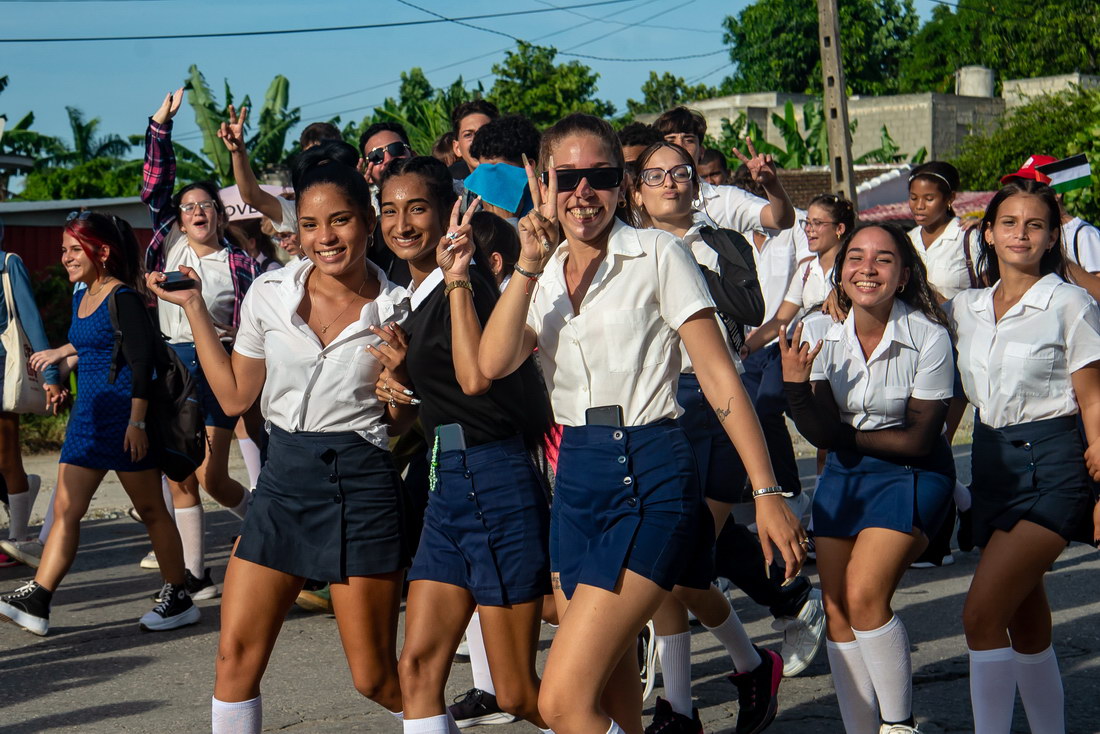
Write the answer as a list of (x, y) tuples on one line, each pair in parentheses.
[(378, 155), (598, 178)]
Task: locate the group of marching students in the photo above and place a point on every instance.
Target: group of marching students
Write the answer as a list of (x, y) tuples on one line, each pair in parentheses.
[(622, 308)]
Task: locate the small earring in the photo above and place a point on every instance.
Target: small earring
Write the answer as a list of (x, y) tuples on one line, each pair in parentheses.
[(622, 203), (901, 288)]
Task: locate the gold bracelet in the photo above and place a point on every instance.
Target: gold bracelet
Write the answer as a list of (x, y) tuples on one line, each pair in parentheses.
[(457, 284)]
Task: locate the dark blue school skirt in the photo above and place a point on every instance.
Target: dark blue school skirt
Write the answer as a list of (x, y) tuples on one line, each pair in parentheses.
[(1031, 471), (326, 506), (856, 492), (721, 473), (487, 525), (629, 498)]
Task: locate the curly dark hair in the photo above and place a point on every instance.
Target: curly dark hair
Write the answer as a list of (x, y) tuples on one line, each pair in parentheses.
[(638, 133), (508, 138), (1054, 260), (394, 127), (917, 293), (472, 107)]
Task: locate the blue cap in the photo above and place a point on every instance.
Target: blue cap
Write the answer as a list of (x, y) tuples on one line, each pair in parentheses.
[(501, 185)]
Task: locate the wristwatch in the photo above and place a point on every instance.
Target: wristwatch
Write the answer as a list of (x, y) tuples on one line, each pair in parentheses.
[(138, 424)]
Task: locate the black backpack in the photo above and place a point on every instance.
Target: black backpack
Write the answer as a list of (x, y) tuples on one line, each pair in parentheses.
[(175, 423)]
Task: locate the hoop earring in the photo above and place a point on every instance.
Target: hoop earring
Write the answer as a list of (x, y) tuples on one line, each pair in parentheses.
[(901, 288)]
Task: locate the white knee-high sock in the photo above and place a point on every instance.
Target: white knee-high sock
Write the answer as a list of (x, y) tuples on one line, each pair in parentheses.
[(735, 639), (992, 690), (166, 490), (886, 654), (250, 452), (189, 522), (855, 693), (674, 652), (962, 496), (244, 717), (47, 522), (479, 660), (431, 725), (1041, 691), (242, 507)]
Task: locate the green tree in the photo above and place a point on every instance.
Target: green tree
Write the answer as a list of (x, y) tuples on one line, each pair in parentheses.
[(88, 145), (660, 93), (97, 178), (529, 81), (774, 45)]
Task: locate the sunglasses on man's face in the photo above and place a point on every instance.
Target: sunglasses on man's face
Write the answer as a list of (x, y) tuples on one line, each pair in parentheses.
[(598, 178), (396, 150)]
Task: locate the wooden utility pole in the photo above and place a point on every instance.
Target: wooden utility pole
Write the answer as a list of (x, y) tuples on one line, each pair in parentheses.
[(836, 101)]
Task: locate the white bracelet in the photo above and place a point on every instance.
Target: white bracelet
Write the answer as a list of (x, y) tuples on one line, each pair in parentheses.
[(765, 491)]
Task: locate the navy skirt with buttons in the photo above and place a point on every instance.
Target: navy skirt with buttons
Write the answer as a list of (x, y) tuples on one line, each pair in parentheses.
[(629, 498), (487, 525), (1031, 471), (722, 475), (856, 492), (326, 506)]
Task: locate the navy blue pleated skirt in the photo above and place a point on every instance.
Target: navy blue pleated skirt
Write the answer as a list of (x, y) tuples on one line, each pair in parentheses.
[(722, 475), (326, 506), (629, 498), (856, 492), (487, 525), (1031, 471)]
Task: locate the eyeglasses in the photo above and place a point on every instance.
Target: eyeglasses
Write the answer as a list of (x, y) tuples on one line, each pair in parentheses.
[(814, 224), (682, 173), (396, 150), (204, 205), (598, 178)]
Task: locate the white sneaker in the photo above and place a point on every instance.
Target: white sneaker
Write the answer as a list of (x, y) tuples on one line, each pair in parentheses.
[(802, 635), (28, 552), (647, 659), (150, 561), (897, 729)]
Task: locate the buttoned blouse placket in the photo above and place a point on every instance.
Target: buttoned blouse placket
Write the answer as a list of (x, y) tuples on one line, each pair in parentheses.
[(574, 323)]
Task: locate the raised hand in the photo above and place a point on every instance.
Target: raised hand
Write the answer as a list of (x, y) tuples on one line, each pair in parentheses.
[(179, 297), (797, 358), (456, 248), (538, 230), (232, 132), (169, 107), (761, 166)]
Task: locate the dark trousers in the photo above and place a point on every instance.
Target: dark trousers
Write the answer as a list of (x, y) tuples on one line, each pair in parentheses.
[(738, 557), (763, 381)]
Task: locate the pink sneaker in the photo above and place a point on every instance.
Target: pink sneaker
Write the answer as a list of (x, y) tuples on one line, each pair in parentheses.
[(7, 561)]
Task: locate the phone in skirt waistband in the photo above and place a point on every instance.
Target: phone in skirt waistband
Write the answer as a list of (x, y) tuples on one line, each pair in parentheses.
[(451, 437), (604, 415)]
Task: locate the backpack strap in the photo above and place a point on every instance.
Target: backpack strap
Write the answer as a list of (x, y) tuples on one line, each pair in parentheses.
[(116, 350), (969, 259)]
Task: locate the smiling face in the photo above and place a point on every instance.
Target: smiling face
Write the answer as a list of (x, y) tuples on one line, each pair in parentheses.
[(823, 232), (76, 262), (585, 213), (873, 269), (670, 199), (382, 139), (333, 231), (199, 217), (930, 207), (1021, 233), (411, 224)]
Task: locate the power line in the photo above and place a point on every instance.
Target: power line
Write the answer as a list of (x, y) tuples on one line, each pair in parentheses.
[(366, 26), (630, 25), (625, 26)]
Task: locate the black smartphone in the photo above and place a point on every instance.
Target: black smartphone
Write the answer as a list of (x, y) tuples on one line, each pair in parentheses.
[(604, 415), (451, 437), (176, 281)]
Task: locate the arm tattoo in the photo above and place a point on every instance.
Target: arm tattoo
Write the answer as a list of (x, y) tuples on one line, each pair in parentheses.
[(555, 581), (724, 413)]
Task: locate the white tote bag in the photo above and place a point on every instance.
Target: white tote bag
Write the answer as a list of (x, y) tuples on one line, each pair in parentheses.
[(23, 386)]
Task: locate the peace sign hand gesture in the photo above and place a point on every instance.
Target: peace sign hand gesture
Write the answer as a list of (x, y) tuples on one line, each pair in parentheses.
[(232, 132), (169, 107), (456, 248), (538, 231), (761, 166), (797, 360)]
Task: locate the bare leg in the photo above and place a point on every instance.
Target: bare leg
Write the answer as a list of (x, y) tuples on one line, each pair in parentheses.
[(144, 490), (214, 476), (435, 616), (367, 608), (75, 487), (11, 457), (511, 639)]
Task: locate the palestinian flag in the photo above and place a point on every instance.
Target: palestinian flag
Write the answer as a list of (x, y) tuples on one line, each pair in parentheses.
[(1068, 174)]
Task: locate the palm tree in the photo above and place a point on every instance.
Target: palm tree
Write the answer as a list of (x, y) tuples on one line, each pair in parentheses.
[(87, 145)]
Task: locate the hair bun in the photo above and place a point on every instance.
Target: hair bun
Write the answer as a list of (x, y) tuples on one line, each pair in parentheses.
[(322, 154)]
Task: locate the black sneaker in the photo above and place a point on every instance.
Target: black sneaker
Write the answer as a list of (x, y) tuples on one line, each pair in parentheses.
[(29, 607), (966, 531), (757, 693), (647, 659), (667, 721), (175, 609), (477, 707), (197, 589)]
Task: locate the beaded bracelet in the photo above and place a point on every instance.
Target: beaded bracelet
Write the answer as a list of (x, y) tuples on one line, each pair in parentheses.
[(457, 284)]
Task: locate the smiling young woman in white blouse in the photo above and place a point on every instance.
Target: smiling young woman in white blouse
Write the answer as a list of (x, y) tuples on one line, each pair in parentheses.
[(1029, 355), (605, 308), (875, 397), (327, 505)]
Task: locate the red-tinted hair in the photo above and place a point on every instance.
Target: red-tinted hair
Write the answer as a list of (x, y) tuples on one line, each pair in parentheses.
[(97, 233)]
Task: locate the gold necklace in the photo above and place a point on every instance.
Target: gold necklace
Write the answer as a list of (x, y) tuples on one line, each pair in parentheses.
[(102, 285), (359, 293)]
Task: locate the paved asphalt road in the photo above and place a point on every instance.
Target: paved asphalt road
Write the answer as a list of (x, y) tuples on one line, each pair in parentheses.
[(96, 672)]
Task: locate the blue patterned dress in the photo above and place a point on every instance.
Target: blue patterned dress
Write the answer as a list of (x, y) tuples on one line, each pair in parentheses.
[(97, 425)]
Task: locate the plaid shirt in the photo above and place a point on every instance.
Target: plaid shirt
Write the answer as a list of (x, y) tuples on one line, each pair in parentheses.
[(157, 181)]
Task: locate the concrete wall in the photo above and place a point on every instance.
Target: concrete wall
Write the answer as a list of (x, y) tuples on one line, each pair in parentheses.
[(1018, 91)]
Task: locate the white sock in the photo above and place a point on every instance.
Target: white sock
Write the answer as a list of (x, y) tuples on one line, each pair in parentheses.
[(189, 522), (20, 507), (992, 690), (47, 523), (733, 637), (432, 725), (242, 507), (479, 660), (1041, 691), (962, 496), (166, 490), (399, 715), (886, 654), (245, 717), (674, 652), (855, 693), (546, 731), (250, 452), (615, 728)]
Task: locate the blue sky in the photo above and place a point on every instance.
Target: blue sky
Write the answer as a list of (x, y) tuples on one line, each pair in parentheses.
[(343, 72)]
